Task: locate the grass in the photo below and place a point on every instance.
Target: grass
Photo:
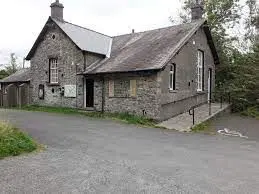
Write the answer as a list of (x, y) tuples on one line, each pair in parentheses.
[(124, 117), (14, 142), (204, 127), (251, 112)]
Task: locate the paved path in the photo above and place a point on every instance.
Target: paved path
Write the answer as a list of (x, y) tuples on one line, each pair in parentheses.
[(184, 122), (97, 156)]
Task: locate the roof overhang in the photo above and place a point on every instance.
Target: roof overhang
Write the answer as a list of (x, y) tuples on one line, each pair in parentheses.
[(211, 43), (38, 40), (11, 82), (116, 72), (84, 39), (180, 45)]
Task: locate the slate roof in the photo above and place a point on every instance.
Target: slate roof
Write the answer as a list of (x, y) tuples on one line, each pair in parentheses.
[(22, 75), (149, 50), (85, 39)]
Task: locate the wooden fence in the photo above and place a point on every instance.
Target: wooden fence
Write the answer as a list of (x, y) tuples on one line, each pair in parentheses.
[(15, 95)]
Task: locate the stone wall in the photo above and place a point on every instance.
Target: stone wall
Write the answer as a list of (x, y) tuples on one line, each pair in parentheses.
[(153, 99), (185, 96), (145, 102), (71, 60)]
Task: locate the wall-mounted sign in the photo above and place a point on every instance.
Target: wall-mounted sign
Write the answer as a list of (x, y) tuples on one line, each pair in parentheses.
[(70, 91), (41, 92)]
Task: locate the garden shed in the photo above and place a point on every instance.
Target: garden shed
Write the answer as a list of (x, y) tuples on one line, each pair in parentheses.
[(15, 89)]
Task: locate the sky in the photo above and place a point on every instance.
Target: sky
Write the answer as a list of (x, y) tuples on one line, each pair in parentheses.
[(22, 21)]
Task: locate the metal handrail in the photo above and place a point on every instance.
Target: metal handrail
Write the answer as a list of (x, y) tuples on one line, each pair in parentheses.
[(192, 109)]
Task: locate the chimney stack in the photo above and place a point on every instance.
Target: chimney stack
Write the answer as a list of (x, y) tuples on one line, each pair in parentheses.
[(197, 10), (57, 10)]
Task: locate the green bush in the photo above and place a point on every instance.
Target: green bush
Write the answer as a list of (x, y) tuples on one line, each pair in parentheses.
[(14, 142), (252, 112)]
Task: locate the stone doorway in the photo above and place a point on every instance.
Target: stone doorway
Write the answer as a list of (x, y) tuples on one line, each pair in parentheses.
[(89, 93)]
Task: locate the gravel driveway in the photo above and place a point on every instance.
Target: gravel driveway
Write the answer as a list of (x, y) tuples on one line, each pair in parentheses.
[(98, 156)]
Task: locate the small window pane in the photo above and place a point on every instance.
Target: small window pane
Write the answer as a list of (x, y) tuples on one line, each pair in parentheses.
[(171, 81), (172, 77), (53, 70), (200, 64)]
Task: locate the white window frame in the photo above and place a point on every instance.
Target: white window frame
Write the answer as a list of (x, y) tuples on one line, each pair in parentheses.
[(53, 64), (200, 70), (172, 77)]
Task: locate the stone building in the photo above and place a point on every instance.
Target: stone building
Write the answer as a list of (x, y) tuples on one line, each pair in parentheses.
[(158, 73)]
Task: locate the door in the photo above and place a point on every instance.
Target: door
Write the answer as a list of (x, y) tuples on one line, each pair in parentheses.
[(209, 85), (12, 95), (89, 93)]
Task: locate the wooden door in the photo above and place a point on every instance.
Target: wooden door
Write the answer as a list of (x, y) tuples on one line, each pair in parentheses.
[(89, 93), (12, 95)]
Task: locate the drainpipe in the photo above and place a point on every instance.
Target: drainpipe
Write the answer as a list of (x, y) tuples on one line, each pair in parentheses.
[(76, 89), (84, 54), (103, 94)]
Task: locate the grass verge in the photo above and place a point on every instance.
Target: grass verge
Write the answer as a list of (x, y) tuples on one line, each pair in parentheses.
[(14, 142), (251, 112), (124, 117), (204, 127)]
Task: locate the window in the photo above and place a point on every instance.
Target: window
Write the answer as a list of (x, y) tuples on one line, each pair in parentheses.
[(172, 78), (53, 63), (122, 88), (111, 88), (133, 88), (200, 71)]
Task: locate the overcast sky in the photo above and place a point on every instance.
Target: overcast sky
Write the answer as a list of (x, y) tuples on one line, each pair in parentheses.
[(22, 20)]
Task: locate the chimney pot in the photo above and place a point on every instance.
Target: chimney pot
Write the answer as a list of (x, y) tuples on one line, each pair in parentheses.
[(57, 10), (197, 10)]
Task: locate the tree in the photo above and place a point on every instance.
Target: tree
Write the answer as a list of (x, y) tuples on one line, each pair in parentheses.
[(238, 71), (252, 21), (3, 74), (221, 15), (12, 67)]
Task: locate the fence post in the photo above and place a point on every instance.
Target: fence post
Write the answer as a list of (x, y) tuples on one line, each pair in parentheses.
[(229, 98), (192, 113)]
